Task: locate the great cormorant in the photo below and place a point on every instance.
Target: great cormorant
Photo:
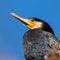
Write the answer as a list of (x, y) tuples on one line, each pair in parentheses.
[(39, 41)]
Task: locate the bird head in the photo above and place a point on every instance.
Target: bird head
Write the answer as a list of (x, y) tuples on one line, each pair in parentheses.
[(34, 23)]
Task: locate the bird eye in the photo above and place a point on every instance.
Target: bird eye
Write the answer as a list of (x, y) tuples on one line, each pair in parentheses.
[(32, 20)]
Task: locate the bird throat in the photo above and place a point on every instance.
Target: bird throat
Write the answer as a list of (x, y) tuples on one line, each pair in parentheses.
[(31, 25)]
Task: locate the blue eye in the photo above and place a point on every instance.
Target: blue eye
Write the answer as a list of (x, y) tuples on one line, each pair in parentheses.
[(32, 20)]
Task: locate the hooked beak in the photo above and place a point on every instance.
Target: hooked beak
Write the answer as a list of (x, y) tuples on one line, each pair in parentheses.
[(20, 18), (25, 21)]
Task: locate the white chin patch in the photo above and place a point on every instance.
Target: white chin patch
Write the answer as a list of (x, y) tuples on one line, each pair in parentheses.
[(45, 57)]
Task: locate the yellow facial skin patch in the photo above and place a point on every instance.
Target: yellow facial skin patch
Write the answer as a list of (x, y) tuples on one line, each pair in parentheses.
[(31, 24)]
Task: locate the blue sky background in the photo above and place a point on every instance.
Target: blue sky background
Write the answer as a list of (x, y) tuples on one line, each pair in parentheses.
[(12, 31)]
